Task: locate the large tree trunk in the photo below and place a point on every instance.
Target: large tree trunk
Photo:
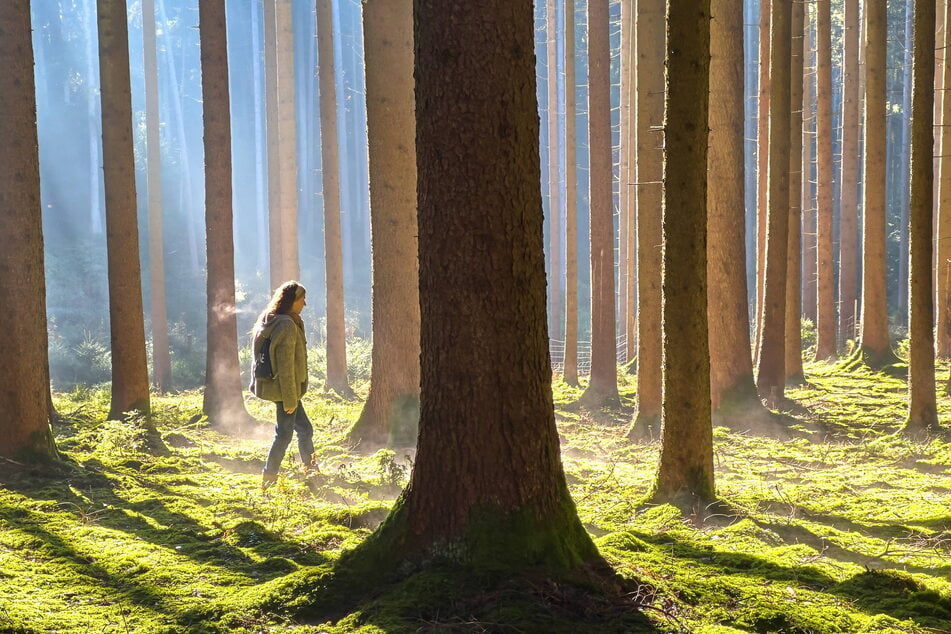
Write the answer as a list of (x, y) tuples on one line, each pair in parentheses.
[(848, 207), (922, 407), (762, 166), (554, 181), (571, 203), (487, 486), (771, 376), (874, 347), (24, 401), (391, 413), (223, 403), (602, 388), (825, 300), (333, 247), (161, 356), (649, 115), (793, 338), (943, 268), (130, 373), (685, 471), (731, 366)]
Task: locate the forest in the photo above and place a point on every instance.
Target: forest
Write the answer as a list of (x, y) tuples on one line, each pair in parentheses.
[(444, 316)]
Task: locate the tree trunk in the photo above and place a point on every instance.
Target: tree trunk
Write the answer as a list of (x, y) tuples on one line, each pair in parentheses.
[(602, 388), (922, 406), (391, 413), (731, 366), (223, 403), (624, 171), (554, 180), (685, 471), (161, 357), (943, 268), (825, 300), (130, 374), (771, 376), (649, 43), (793, 338), (874, 344), (571, 203), (25, 432), (333, 248), (904, 153), (487, 487), (848, 207), (762, 165), (276, 241), (809, 191)]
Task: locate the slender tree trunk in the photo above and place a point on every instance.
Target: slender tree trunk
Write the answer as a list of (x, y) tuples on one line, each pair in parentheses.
[(333, 247), (25, 432), (793, 339), (554, 180), (874, 347), (922, 407), (488, 484), (130, 374), (686, 457), (731, 366), (287, 144), (571, 203), (809, 191), (602, 389), (943, 268), (391, 413), (276, 240), (624, 171), (825, 301), (649, 43), (223, 403), (904, 184), (762, 163), (261, 149), (161, 356), (93, 117), (771, 377), (848, 207)]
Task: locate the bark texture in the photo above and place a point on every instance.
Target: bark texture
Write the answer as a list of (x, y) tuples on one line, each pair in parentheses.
[(333, 245), (848, 207), (487, 488), (391, 413), (943, 268), (554, 180), (771, 377), (922, 404), (130, 373), (731, 365), (649, 115), (223, 403), (602, 388), (624, 171), (686, 457), (24, 400), (161, 356), (825, 300), (794, 255), (571, 203), (762, 163)]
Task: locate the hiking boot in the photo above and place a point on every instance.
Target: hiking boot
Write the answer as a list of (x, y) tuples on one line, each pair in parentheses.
[(268, 480)]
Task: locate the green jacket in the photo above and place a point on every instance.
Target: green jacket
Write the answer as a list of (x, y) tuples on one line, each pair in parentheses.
[(288, 360)]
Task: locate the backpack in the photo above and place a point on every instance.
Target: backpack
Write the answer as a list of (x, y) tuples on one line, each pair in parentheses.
[(262, 367)]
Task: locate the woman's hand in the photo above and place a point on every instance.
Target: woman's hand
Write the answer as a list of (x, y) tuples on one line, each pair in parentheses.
[(291, 410)]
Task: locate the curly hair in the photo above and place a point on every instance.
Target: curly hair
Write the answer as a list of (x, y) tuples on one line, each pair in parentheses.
[(281, 301)]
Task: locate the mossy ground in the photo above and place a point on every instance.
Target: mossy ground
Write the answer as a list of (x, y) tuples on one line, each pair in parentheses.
[(831, 523)]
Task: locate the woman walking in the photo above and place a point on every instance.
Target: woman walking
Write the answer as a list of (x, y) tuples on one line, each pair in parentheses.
[(279, 333)]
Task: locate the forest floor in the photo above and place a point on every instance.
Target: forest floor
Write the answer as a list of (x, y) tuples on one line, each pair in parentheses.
[(834, 525)]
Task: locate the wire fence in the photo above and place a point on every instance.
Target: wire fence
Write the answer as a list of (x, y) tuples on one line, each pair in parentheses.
[(557, 350)]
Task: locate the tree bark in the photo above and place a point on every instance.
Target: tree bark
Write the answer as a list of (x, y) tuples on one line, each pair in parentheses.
[(731, 366), (794, 255), (25, 432), (771, 377), (223, 403), (649, 43), (943, 268), (825, 300), (624, 174), (333, 247), (391, 413), (554, 180), (922, 406), (602, 388), (571, 203), (762, 165), (848, 207), (809, 192), (130, 374), (487, 487), (874, 346), (686, 458)]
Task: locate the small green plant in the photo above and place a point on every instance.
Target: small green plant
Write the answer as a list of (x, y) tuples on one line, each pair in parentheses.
[(391, 472), (123, 439)]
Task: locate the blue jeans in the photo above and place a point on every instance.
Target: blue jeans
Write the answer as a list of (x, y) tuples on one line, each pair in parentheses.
[(287, 424)]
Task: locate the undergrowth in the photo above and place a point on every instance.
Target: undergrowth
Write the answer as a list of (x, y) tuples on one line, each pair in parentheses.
[(832, 523)]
